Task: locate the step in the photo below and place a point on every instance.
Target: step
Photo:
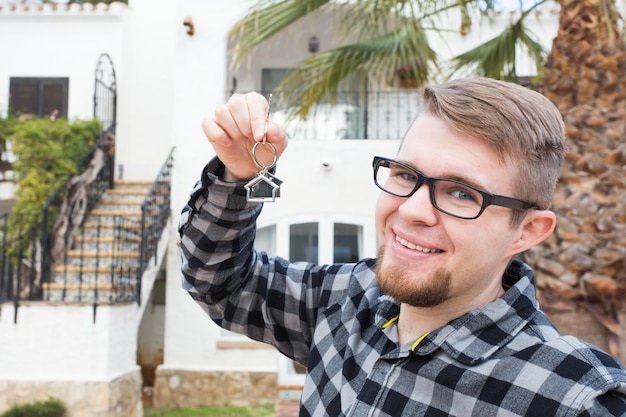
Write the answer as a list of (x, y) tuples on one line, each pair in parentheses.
[(93, 258), (93, 273), (119, 213), (90, 279), (118, 205), (126, 192), (114, 217), (128, 201), (105, 247), (101, 254), (93, 269), (131, 183), (109, 243), (110, 239), (127, 224), (75, 274), (106, 293), (128, 232)]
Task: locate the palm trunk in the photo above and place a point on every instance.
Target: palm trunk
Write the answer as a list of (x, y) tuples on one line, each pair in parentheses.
[(585, 76)]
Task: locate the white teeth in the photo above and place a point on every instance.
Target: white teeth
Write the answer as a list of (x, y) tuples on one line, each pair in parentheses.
[(413, 246)]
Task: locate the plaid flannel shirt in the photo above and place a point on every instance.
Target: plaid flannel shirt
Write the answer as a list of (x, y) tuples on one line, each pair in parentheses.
[(502, 359)]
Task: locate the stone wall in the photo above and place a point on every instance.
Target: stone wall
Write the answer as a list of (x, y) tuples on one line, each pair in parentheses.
[(120, 397), (183, 388)]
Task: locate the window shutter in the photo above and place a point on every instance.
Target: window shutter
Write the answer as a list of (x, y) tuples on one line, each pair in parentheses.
[(39, 96), (24, 95), (53, 98)]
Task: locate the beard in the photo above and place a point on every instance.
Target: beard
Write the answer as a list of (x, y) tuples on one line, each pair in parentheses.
[(404, 288)]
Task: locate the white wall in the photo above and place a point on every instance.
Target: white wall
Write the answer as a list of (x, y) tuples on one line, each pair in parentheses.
[(146, 87), (64, 343), (61, 43), (200, 74)]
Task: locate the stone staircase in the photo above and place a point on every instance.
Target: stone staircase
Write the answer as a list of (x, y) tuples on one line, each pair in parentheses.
[(288, 404), (103, 263)]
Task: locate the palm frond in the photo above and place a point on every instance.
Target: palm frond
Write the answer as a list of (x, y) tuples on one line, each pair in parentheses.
[(497, 57), (317, 79), (264, 20)]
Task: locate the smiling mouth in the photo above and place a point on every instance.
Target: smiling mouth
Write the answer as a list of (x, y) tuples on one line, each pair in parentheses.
[(413, 246)]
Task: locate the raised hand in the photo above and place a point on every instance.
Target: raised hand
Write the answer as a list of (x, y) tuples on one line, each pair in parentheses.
[(236, 127)]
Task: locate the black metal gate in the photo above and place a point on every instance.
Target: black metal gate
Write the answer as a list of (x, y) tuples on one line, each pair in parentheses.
[(105, 94)]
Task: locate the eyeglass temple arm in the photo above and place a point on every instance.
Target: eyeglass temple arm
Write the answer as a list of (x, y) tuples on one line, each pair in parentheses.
[(510, 202)]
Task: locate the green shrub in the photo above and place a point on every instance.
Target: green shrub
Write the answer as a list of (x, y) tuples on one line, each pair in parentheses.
[(48, 153), (52, 407)]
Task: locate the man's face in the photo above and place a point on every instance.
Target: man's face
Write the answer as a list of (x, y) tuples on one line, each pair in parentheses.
[(428, 258)]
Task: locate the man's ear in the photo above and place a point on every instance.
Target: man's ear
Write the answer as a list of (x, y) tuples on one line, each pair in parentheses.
[(536, 227)]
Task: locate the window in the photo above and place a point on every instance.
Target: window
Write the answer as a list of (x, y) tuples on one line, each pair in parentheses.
[(39, 96), (347, 242), (303, 242), (271, 77)]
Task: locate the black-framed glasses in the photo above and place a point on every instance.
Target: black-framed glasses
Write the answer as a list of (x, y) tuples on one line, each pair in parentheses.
[(448, 196)]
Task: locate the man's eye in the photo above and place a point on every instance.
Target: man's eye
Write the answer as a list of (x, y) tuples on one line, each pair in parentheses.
[(409, 176), (463, 195), (406, 176)]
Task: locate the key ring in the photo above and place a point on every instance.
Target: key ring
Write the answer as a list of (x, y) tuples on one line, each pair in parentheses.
[(256, 161)]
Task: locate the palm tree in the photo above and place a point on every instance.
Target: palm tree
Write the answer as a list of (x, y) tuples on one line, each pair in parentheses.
[(584, 74)]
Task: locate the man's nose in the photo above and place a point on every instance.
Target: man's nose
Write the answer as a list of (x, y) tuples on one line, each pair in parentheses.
[(419, 207)]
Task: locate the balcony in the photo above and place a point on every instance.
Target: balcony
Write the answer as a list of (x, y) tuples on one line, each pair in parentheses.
[(356, 115)]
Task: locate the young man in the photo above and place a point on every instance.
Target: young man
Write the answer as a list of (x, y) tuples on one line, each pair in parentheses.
[(444, 322)]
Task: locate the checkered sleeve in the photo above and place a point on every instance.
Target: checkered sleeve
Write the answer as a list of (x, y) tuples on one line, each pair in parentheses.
[(267, 299)]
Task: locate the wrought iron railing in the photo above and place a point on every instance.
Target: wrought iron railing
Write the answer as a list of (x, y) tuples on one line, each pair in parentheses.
[(155, 212), (18, 258), (48, 263), (381, 114)]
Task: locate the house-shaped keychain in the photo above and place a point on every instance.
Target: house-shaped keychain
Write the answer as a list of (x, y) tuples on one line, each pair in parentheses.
[(263, 188)]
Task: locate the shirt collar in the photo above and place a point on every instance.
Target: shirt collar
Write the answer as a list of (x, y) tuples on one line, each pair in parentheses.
[(478, 334)]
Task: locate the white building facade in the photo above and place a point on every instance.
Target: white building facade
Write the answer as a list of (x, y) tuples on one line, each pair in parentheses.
[(169, 80)]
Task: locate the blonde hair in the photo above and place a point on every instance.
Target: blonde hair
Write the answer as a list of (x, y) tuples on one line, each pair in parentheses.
[(523, 126)]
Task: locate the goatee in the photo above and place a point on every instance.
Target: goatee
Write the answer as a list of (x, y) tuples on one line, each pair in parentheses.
[(405, 288)]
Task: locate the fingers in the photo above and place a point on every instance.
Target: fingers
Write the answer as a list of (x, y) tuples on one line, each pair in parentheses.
[(247, 116), (242, 117), (277, 135), (235, 128)]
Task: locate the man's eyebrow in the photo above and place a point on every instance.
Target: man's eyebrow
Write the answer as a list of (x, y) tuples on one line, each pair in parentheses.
[(455, 177), (468, 181)]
